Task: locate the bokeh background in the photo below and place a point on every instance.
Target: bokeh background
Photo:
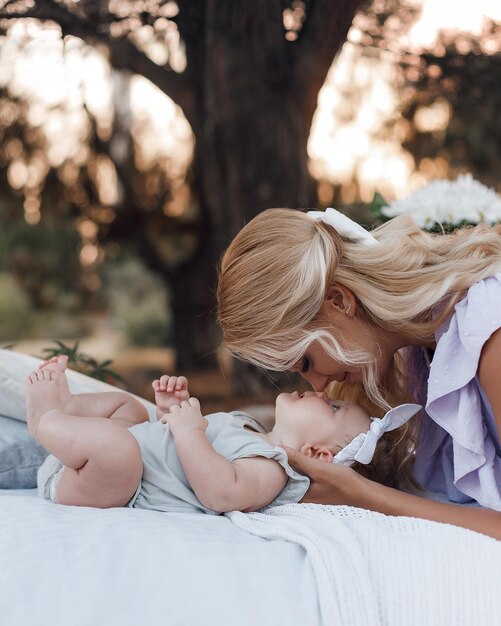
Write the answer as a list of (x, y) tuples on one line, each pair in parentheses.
[(138, 136)]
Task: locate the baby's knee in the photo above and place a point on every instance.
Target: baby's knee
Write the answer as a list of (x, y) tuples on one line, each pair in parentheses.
[(132, 410), (139, 412)]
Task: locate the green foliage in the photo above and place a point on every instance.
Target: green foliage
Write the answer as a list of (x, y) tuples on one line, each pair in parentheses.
[(378, 202), (20, 320), (446, 228), (44, 259), (63, 323), (458, 75), (16, 316), (138, 303), (83, 362)]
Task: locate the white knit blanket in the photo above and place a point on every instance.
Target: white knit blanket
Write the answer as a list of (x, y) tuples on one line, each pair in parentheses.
[(376, 570)]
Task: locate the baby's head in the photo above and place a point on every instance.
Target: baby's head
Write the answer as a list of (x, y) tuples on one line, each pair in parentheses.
[(342, 432), (317, 426)]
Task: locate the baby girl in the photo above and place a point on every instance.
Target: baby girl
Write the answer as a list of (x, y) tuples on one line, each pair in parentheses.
[(107, 453)]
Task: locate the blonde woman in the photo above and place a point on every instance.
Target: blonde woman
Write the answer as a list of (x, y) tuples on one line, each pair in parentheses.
[(382, 318)]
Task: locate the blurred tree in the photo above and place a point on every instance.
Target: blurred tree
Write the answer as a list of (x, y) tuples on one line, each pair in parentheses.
[(356, 154), (248, 85), (451, 104), (450, 92), (414, 114), (34, 253)]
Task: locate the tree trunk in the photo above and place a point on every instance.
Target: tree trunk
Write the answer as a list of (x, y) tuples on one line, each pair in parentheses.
[(196, 334), (250, 155), (251, 149)]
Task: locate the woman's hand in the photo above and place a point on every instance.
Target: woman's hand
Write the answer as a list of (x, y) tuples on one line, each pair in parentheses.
[(330, 483), (335, 484)]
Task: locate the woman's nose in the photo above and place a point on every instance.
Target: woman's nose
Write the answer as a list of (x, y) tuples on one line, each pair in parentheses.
[(318, 382), (316, 394)]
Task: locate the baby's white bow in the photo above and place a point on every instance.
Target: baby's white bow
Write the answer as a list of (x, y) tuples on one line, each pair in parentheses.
[(363, 446), (346, 227)]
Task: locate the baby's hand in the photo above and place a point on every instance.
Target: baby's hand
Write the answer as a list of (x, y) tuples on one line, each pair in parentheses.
[(185, 417), (169, 391)]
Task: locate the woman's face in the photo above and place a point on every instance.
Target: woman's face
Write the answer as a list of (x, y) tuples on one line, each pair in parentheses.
[(320, 369)]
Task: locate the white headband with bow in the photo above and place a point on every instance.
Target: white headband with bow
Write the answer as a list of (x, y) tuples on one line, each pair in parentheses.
[(346, 227), (363, 446)]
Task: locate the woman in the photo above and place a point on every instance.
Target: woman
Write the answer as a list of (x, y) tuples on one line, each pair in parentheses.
[(391, 316)]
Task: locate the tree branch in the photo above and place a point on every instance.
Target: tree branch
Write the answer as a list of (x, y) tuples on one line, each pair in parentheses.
[(123, 53), (322, 36)]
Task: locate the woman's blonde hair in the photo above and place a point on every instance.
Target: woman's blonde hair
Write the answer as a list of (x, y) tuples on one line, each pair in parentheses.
[(275, 276), (276, 272)]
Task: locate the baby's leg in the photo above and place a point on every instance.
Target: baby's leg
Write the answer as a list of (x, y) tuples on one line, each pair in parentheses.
[(110, 475), (102, 459), (116, 405)]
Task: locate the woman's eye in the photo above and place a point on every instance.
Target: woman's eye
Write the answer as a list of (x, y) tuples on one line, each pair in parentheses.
[(305, 366), (335, 407)]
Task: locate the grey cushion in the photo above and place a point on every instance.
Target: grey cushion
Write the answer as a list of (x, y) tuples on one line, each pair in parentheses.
[(20, 455)]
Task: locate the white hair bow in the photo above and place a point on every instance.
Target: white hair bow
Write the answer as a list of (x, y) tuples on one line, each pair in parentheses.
[(346, 227), (363, 446)]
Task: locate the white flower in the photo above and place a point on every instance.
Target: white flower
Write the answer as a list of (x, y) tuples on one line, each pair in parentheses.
[(449, 202)]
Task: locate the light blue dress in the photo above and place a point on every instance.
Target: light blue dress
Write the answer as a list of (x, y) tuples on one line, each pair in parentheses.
[(164, 486)]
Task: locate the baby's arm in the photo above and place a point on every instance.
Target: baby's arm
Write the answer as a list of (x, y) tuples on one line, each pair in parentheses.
[(244, 485)]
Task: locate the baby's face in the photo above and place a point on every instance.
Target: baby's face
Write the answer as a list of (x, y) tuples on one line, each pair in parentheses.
[(311, 418)]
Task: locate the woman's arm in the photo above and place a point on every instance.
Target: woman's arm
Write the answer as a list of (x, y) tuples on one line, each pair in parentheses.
[(335, 484), (489, 374), (244, 485)]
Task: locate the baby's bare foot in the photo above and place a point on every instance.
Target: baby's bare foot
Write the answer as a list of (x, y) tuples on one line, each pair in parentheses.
[(42, 396), (57, 368)]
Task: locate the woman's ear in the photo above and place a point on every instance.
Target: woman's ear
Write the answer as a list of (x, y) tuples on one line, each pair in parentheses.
[(322, 453), (341, 299)]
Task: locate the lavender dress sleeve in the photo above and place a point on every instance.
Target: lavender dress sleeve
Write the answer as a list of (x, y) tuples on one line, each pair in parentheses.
[(459, 453)]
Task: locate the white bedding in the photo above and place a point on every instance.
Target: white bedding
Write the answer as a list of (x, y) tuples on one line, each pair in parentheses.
[(378, 570), (297, 565), (70, 566)]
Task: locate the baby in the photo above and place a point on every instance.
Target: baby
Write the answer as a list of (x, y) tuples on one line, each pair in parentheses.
[(108, 453)]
